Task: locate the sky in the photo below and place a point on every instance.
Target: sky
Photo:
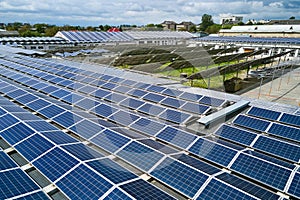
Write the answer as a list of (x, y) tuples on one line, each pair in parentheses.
[(140, 12)]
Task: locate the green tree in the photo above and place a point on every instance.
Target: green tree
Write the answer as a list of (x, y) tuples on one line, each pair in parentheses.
[(206, 22), (215, 28), (51, 31), (292, 17), (193, 29)]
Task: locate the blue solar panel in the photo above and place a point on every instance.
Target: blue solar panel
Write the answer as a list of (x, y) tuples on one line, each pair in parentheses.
[(16, 93), (59, 137), (172, 93), (154, 88), (290, 119), (104, 110), (190, 96), (248, 187), (153, 97), (83, 183), (2, 112), (111, 170), (213, 152), (110, 140), (67, 119), (195, 108), (158, 146), (122, 89), (198, 164), (87, 89), (82, 152), (137, 93), (6, 162), (128, 82), (116, 194), (26, 98), (87, 103), (100, 93), (139, 155), (278, 148), (7, 121), (13, 109), (60, 93), (264, 113), (141, 189), (151, 109), (172, 102), (14, 183), (86, 128), (287, 132), (147, 126), (49, 89), (55, 163), (16, 133), (252, 123), (265, 172), (38, 104), (176, 137), (34, 196), (132, 103), (212, 101), (174, 116), (39, 86), (235, 134), (41, 126), (51, 111), (179, 176), (33, 147), (115, 97), (109, 86), (294, 188), (124, 118), (218, 190), (73, 98)]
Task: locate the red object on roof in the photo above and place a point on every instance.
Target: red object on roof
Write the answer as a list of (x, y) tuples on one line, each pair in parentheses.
[(113, 30)]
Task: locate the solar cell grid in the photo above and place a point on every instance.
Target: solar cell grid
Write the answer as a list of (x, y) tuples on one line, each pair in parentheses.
[(158, 146), (6, 162), (179, 176), (131, 103), (139, 155), (252, 123), (264, 113), (59, 137), (104, 110), (110, 140), (190, 96), (111, 170), (235, 134), (290, 119), (287, 132), (172, 93), (151, 109), (267, 173), (82, 152), (198, 164), (278, 148), (41, 126), (294, 188), (195, 108), (147, 126), (14, 183), (38, 104), (153, 97), (116, 194), (34, 196), (172, 102), (124, 118), (83, 183), (86, 128), (213, 151), (141, 189), (137, 93), (174, 116), (7, 120), (87, 103), (67, 119), (211, 101), (33, 147), (176, 137), (218, 190), (247, 186), (16, 133)]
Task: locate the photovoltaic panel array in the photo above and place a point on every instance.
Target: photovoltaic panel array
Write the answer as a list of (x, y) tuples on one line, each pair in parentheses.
[(97, 122)]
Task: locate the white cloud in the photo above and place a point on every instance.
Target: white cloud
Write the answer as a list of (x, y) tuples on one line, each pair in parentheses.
[(95, 12)]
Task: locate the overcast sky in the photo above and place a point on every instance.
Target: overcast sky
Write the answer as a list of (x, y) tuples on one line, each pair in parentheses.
[(139, 12)]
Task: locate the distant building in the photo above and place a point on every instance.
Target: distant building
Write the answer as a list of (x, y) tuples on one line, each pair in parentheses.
[(169, 25), (4, 33), (184, 26), (285, 22), (231, 20), (263, 31)]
